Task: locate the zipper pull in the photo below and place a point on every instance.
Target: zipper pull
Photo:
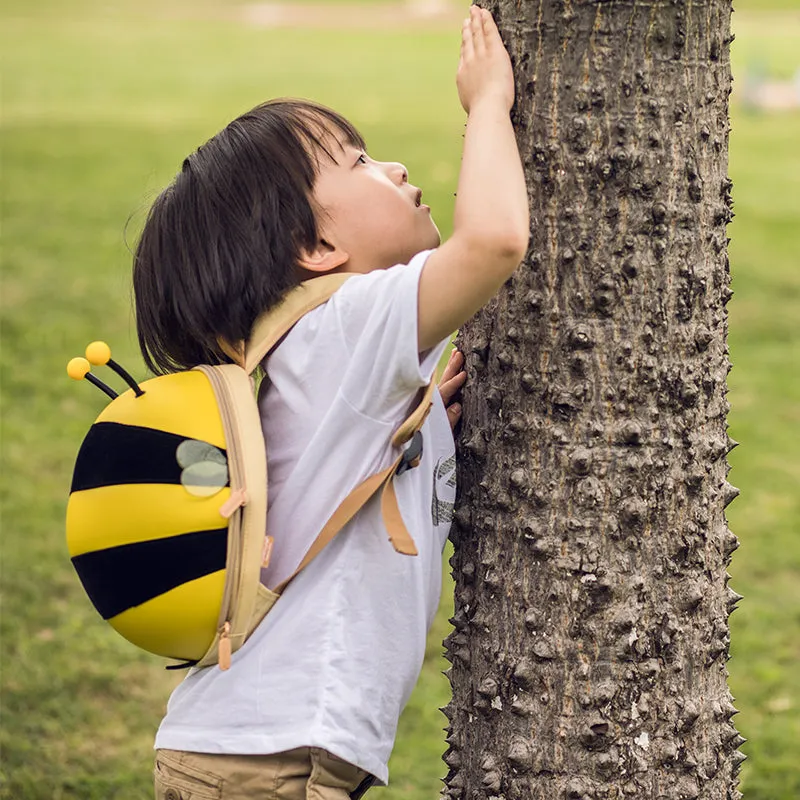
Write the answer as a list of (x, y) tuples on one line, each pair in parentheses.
[(237, 499), (224, 649)]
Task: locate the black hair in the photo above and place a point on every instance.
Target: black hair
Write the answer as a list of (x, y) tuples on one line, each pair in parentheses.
[(221, 243)]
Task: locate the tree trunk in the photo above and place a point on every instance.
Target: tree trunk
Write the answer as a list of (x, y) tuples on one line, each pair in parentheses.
[(591, 634)]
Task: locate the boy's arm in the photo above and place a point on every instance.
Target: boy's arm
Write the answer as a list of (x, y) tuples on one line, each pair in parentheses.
[(491, 222)]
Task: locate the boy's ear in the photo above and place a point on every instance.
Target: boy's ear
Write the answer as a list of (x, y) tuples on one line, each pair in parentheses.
[(325, 257)]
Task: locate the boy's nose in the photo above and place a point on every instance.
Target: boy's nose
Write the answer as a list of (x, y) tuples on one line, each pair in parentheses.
[(398, 172)]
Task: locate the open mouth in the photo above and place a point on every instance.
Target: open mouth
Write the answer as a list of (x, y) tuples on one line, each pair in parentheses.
[(418, 200)]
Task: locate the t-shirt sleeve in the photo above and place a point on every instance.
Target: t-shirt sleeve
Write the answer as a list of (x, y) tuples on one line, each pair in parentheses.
[(377, 315)]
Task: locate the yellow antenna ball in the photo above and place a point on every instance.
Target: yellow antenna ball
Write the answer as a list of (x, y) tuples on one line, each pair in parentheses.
[(77, 368), (98, 353)]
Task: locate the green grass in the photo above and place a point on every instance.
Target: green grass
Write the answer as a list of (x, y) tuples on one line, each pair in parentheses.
[(100, 103)]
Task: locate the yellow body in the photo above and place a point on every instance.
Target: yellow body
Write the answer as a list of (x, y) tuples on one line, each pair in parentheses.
[(182, 622)]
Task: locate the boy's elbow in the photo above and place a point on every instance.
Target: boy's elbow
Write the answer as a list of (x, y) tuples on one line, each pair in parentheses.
[(504, 247), (518, 245), (510, 246)]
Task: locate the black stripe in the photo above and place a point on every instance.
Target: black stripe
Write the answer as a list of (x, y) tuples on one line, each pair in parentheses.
[(113, 454), (122, 577)]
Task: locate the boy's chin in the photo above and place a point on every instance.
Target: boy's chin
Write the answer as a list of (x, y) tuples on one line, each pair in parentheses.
[(436, 237)]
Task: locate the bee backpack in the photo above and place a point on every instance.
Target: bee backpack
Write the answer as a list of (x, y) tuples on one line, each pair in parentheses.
[(166, 519)]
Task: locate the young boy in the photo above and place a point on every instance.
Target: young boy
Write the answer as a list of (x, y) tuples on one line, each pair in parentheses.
[(310, 706)]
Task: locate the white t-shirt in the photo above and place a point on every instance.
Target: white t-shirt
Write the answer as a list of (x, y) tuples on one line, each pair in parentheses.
[(336, 659)]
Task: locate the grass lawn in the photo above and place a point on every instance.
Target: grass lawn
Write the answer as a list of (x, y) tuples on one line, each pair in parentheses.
[(100, 103)]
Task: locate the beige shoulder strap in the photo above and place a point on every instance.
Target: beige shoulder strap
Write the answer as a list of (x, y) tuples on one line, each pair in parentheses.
[(416, 418), (399, 536), (276, 323)]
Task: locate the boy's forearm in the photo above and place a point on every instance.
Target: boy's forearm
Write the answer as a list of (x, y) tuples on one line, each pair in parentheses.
[(491, 221), (492, 200)]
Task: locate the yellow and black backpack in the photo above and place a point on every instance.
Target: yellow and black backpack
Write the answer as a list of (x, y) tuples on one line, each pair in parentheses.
[(166, 519)]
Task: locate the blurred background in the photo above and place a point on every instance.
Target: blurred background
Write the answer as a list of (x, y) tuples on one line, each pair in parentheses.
[(100, 103)]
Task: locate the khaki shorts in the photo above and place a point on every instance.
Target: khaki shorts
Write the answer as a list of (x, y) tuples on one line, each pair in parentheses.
[(303, 774)]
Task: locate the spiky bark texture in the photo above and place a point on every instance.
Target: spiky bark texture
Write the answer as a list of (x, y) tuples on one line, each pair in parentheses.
[(591, 625)]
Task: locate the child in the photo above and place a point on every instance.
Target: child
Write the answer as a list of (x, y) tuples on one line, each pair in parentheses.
[(310, 706)]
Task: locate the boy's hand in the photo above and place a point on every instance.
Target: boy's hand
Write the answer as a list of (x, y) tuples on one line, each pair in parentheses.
[(453, 378), (484, 69)]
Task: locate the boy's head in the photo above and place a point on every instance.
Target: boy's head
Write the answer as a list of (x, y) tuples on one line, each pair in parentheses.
[(267, 202), (368, 215)]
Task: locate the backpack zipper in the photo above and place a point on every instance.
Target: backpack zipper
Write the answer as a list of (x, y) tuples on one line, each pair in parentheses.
[(233, 508)]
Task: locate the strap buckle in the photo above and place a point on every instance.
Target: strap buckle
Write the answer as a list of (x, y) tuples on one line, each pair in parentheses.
[(412, 455)]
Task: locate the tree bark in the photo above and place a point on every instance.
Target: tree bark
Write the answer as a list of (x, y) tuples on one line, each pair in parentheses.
[(591, 624)]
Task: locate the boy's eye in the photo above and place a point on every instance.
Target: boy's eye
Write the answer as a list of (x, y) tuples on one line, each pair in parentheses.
[(362, 159)]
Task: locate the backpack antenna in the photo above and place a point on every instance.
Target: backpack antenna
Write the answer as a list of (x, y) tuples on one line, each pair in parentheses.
[(79, 368), (99, 353)]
